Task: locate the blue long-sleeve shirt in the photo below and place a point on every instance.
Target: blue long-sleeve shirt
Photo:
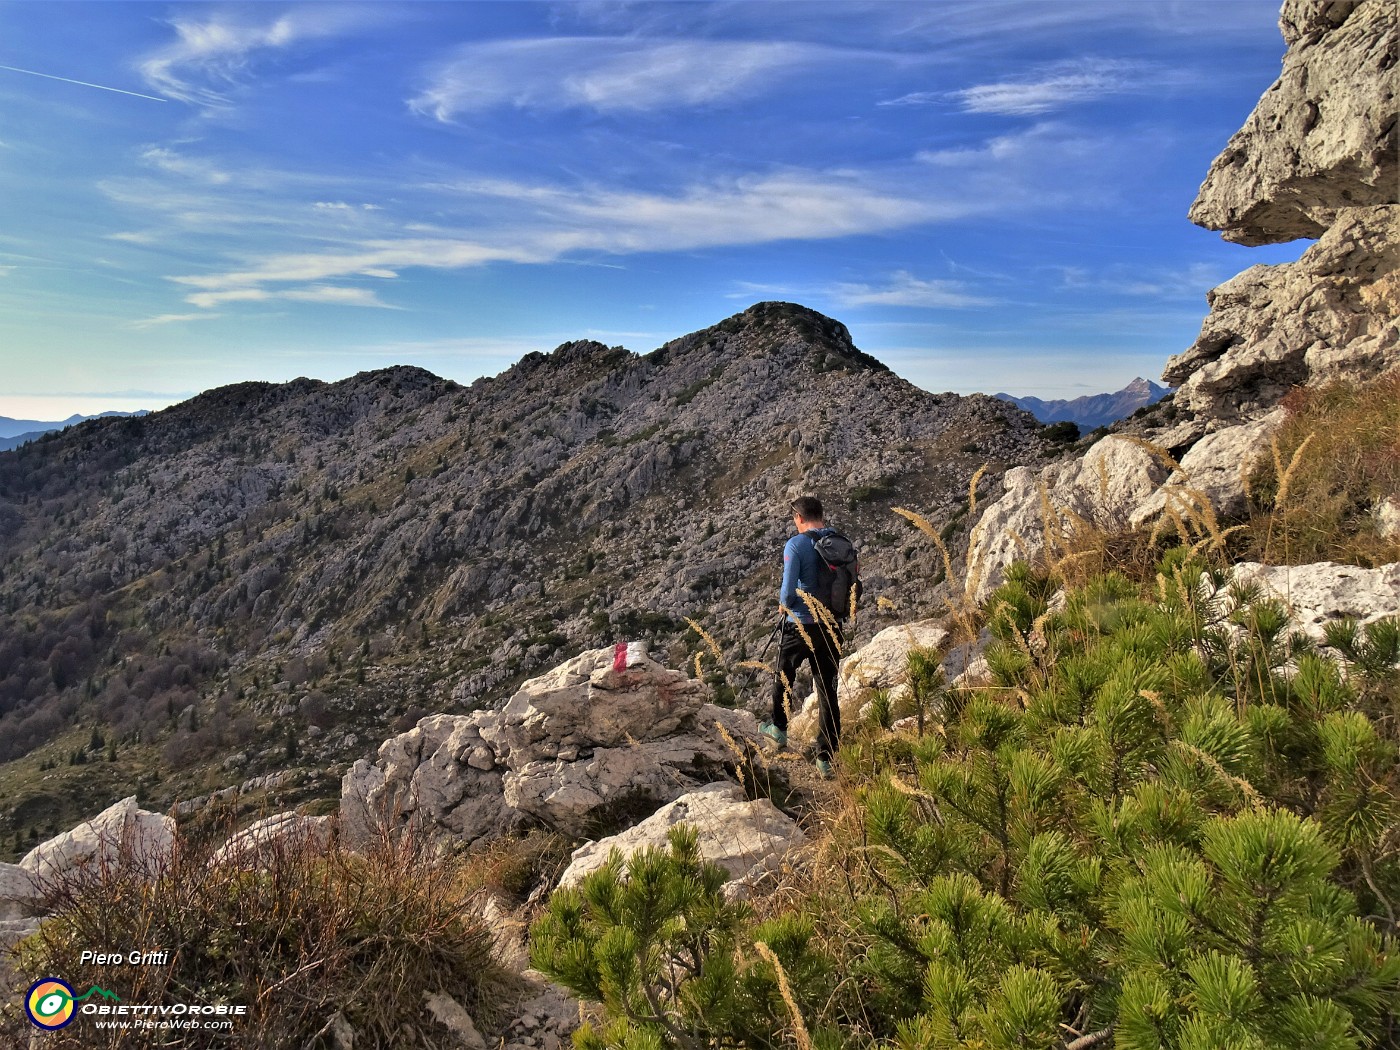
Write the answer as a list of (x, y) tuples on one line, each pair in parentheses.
[(800, 567)]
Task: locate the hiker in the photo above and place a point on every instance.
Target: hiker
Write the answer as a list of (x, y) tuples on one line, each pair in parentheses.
[(813, 636)]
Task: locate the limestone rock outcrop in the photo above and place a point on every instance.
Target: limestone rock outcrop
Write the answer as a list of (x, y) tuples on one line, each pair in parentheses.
[(1323, 137), (289, 831), (1323, 592), (879, 664), (438, 776), (744, 837), (19, 896), (121, 830), (1212, 471), (1103, 488), (605, 728), (1318, 158), (1329, 316)]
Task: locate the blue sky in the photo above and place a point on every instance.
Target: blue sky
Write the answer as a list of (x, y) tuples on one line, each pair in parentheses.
[(991, 195)]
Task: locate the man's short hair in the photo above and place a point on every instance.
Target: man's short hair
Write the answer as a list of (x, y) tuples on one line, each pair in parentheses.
[(809, 507)]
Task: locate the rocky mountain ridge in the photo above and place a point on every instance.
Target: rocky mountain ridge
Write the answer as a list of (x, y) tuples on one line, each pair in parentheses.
[(17, 432), (274, 569)]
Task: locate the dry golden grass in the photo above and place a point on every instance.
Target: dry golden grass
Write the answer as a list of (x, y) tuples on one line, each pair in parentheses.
[(1333, 461), (303, 934), (963, 608)]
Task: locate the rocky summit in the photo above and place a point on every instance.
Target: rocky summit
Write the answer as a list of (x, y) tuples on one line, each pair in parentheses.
[(264, 579)]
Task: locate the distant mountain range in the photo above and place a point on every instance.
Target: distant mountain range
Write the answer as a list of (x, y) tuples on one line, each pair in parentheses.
[(1093, 410), (16, 432)]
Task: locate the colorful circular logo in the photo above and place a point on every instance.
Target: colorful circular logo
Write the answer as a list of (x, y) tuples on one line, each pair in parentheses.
[(49, 1003)]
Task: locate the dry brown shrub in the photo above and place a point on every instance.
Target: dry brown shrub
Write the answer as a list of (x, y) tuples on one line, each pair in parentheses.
[(297, 933)]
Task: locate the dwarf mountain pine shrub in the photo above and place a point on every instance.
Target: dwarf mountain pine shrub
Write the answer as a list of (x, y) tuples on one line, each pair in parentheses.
[(676, 965), (1171, 827), (1168, 824)]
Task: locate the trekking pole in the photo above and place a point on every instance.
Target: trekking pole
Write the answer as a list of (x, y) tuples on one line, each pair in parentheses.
[(782, 618), (762, 655)]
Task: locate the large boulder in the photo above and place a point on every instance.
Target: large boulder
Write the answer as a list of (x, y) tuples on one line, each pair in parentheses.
[(289, 832), (1100, 490), (565, 792), (1212, 472), (122, 832), (744, 837), (879, 664), (602, 731), (602, 698), (1332, 315)]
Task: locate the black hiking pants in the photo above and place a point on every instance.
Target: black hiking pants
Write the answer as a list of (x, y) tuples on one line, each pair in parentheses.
[(823, 654)]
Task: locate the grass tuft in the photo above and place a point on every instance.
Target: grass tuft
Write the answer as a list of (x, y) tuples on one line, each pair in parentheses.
[(308, 934), (1332, 462)]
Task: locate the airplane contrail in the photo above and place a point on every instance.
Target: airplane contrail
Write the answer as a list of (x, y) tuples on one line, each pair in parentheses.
[(84, 83)]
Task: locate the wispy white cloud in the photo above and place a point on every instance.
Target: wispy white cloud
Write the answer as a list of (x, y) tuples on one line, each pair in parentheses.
[(915, 98), (937, 25), (1057, 86), (799, 205), (612, 74), (541, 224), (213, 56), (1044, 144), (172, 163), (1190, 282), (375, 259), (328, 294), (904, 289), (1034, 21), (164, 319), (141, 237)]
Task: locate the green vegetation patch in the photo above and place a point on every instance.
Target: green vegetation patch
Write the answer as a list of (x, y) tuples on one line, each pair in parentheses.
[(1166, 822)]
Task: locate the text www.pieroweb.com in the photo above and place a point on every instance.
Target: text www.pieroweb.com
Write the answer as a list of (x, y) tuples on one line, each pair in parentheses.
[(180, 1017)]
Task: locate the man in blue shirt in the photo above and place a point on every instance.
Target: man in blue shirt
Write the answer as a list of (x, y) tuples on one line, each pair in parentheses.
[(806, 636)]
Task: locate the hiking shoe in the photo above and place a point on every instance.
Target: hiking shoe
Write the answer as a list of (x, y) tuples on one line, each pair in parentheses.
[(824, 769), (772, 732)]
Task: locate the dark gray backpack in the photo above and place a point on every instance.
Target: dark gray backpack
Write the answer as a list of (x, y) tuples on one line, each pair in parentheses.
[(839, 587)]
